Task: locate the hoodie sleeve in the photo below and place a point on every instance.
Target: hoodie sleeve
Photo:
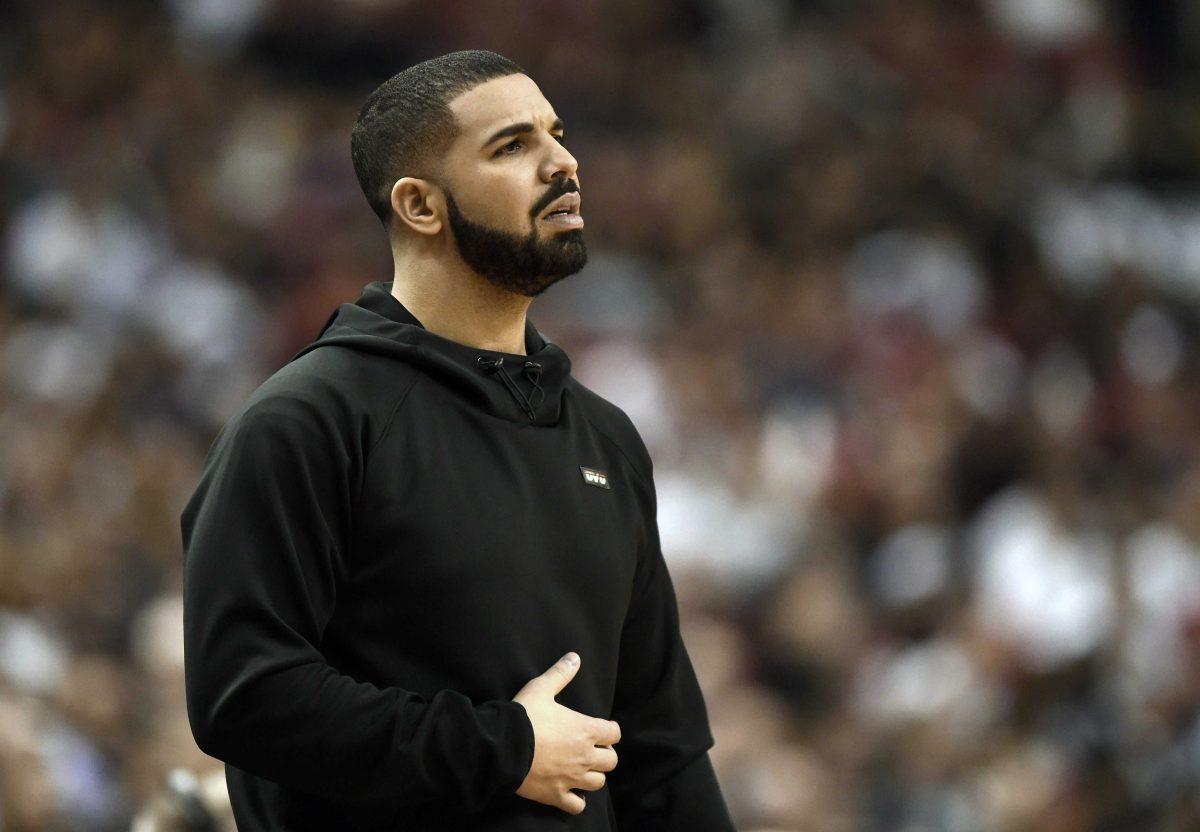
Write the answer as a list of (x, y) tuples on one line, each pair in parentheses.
[(664, 779), (265, 537)]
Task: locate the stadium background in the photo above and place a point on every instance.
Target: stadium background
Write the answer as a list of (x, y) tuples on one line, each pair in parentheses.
[(902, 296)]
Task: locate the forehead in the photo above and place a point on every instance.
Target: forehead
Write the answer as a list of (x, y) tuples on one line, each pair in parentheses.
[(485, 108)]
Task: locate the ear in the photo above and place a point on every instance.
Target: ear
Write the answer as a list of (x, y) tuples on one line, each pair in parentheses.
[(418, 205)]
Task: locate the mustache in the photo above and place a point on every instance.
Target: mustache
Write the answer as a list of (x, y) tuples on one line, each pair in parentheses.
[(557, 188)]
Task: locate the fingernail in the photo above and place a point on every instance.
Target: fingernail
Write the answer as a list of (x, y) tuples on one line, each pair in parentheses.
[(572, 658)]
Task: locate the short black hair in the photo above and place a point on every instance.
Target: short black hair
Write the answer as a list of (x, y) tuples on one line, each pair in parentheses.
[(406, 122)]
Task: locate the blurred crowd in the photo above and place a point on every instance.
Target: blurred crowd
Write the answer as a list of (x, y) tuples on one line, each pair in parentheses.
[(903, 295)]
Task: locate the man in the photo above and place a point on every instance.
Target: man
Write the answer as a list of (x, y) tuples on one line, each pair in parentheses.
[(422, 511)]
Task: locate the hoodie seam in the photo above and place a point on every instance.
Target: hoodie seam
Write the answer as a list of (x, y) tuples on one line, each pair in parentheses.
[(651, 520), (387, 426), (633, 465)]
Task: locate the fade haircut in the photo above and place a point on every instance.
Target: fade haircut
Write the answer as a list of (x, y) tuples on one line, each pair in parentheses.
[(406, 123)]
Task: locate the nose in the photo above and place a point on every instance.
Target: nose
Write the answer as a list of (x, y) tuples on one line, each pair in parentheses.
[(559, 162)]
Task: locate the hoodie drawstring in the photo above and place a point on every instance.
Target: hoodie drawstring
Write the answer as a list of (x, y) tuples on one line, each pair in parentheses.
[(532, 371)]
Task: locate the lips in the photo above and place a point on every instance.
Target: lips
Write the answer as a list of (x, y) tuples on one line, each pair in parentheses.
[(568, 203)]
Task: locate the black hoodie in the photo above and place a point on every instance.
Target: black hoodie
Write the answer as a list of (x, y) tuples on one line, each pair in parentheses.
[(390, 538)]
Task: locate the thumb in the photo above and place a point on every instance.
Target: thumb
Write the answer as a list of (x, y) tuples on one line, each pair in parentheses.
[(562, 672)]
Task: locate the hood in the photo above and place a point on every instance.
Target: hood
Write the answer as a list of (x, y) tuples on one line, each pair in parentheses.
[(520, 388)]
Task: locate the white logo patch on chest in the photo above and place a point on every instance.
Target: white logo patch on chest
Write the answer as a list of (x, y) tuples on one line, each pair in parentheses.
[(597, 478)]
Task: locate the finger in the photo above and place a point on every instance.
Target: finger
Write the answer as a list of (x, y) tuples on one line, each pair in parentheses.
[(591, 781), (607, 732), (603, 758), (561, 672), (572, 803)]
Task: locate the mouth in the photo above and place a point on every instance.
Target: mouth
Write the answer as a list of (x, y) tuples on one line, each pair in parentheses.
[(564, 211), (567, 219)]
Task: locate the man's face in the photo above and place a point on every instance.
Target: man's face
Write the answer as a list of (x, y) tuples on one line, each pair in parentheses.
[(509, 167)]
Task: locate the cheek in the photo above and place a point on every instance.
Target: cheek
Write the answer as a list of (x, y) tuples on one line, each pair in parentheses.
[(502, 202)]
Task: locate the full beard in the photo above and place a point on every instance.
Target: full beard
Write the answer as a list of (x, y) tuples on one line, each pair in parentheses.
[(523, 265)]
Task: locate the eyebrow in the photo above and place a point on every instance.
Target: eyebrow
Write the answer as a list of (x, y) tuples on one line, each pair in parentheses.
[(518, 129)]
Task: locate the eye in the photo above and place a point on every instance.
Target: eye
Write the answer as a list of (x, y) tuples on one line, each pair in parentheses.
[(501, 152), (561, 139)]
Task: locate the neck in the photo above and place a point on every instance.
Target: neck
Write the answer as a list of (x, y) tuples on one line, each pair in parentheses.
[(450, 299)]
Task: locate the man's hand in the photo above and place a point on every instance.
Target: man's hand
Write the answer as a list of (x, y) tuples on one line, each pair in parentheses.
[(571, 750)]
